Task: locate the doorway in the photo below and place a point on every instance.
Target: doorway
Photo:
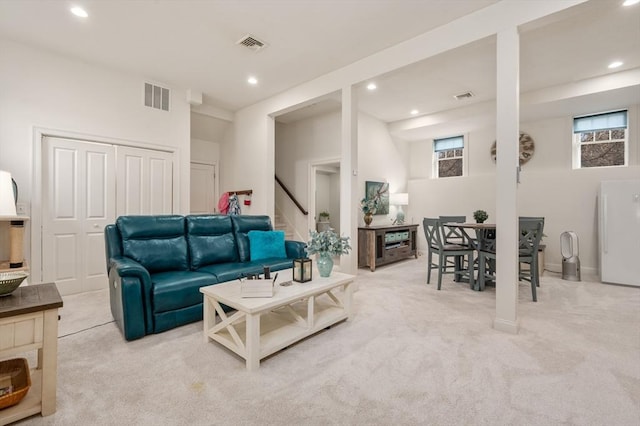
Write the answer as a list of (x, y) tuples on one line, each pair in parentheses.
[(325, 187), (203, 188)]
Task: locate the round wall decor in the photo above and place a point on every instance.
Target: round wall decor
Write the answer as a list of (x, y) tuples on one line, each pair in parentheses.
[(527, 148)]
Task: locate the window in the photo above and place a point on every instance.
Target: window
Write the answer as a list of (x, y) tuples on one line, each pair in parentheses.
[(448, 156), (600, 140)]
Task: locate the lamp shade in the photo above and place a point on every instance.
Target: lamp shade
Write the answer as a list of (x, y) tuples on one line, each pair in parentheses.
[(7, 202), (399, 199)]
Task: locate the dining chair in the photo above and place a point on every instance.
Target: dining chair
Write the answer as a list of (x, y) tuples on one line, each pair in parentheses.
[(531, 229), (435, 243), (453, 235), (520, 271), (486, 256), (529, 235)]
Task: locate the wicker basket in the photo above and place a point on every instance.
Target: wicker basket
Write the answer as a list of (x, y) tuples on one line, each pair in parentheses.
[(18, 370), (10, 281)]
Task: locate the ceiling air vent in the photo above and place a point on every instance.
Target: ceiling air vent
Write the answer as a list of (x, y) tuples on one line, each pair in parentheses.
[(465, 95), (251, 42), (156, 97)]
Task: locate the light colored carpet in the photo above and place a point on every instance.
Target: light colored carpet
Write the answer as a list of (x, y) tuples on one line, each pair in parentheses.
[(411, 355)]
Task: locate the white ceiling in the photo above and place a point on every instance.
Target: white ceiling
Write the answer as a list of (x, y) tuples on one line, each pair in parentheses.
[(191, 45), (565, 48)]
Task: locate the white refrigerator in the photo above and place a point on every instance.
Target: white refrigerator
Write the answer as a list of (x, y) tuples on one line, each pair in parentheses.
[(619, 231)]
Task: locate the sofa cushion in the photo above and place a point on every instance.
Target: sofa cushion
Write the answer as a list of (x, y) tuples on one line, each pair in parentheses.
[(211, 240), (241, 226), (232, 271), (274, 264), (156, 242), (266, 244), (178, 289)]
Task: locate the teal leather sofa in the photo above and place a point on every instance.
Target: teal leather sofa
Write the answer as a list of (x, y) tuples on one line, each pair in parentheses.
[(157, 264)]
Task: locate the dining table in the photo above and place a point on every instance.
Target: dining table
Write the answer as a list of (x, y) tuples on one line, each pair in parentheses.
[(484, 236)]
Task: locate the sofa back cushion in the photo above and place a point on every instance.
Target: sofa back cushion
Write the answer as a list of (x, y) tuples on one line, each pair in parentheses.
[(241, 226), (211, 240), (156, 242)]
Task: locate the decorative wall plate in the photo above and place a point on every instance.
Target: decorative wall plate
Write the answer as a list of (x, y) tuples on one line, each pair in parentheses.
[(527, 148)]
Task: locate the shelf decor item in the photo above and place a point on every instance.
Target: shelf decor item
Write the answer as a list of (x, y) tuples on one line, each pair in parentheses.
[(10, 281), (326, 245), (302, 270), (15, 381), (369, 207), (480, 216)]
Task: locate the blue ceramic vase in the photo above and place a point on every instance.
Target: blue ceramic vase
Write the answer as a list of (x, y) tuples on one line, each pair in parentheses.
[(325, 264)]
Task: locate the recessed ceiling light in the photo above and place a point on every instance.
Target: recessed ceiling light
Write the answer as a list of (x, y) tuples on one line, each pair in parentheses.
[(372, 86), (630, 2), (615, 64), (252, 80), (414, 111), (78, 11)]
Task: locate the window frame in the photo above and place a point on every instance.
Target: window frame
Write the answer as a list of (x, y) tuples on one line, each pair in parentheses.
[(435, 171), (577, 142)]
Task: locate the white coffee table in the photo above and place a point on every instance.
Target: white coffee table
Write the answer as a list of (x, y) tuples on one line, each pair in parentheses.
[(263, 326)]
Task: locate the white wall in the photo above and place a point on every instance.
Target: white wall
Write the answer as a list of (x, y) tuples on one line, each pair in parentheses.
[(208, 128), (315, 139), (207, 134), (39, 89), (334, 201), (549, 186)]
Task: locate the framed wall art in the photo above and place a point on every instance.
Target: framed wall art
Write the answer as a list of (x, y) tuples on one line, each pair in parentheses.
[(378, 190)]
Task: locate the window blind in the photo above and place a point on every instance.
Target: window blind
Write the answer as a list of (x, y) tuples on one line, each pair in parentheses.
[(445, 144), (592, 123)]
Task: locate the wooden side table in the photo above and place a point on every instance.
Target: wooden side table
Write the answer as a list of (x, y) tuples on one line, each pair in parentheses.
[(29, 321)]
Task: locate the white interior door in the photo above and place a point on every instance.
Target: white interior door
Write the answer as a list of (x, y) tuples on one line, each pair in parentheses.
[(78, 202), (203, 177), (144, 181)]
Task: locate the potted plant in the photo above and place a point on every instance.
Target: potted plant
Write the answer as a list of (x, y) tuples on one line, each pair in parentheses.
[(480, 216), (369, 207), (323, 216), (327, 244)]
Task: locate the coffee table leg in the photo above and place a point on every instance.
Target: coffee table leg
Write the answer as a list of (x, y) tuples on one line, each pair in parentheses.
[(347, 296), (253, 341)]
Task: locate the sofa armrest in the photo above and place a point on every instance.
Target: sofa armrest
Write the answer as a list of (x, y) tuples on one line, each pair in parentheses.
[(295, 249), (130, 294)]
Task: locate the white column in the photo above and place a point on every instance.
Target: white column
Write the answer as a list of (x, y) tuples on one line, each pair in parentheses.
[(349, 178), (507, 135)]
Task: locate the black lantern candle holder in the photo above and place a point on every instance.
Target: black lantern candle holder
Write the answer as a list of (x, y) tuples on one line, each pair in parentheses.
[(302, 270)]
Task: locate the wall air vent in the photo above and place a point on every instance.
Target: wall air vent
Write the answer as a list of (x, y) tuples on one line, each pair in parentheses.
[(156, 97), (465, 95), (252, 43)]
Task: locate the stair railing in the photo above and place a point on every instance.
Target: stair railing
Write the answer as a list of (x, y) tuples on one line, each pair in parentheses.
[(291, 196)]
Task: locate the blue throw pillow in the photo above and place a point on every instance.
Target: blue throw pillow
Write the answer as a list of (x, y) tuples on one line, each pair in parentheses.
[(266, 245)]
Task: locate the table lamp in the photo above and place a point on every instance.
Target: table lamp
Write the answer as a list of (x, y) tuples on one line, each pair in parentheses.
[(399, 199)]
